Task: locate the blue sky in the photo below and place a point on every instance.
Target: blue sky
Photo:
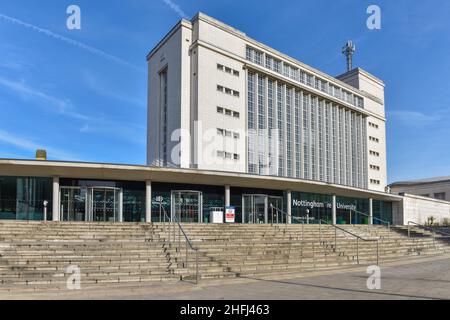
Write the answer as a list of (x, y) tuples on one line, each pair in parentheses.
[(81, 94)]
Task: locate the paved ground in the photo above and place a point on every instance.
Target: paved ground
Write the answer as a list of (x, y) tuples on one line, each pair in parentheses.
[(427, 278)]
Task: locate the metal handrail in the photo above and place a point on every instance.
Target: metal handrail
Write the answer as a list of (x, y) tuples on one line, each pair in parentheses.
[(427, 227), (440, 236), (188, 241), (374, 218), (357, 240), (286, 220)]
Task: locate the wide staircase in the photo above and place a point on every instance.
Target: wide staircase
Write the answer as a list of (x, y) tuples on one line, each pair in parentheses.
[(265, 250), (37, 255)]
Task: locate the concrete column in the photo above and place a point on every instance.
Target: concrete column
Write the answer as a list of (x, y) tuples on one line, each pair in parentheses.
[(289, 207), (148, 201), (333, 210), (370, 211), (121, 205), (56, 200), (227, 196)]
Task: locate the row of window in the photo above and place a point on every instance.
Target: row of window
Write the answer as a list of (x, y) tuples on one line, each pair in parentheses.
[(228, 91), (374, 139), (223, 68), (438, 196), (373, 125), (228, 112), (227, 133), (373, 181), (374, 153), (228, 155), (374, 167), (295, 134), (296, 74)]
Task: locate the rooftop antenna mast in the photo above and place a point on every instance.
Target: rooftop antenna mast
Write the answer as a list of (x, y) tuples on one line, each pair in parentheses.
[(348, 50)]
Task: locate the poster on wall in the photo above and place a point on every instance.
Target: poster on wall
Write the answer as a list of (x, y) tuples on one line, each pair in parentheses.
[(230, 214)]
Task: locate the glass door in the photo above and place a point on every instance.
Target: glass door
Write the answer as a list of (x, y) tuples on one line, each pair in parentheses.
[(277, 203), (104, 204), (254, 208), (187, 206), (73, 204)]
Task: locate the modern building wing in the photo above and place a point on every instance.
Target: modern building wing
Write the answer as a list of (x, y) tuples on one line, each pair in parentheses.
[(219, 100)]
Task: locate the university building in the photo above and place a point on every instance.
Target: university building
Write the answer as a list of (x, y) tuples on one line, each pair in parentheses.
[(232, 124)]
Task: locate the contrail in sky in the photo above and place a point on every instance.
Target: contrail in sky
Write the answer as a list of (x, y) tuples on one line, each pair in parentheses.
[(176, 8), (75, 43)]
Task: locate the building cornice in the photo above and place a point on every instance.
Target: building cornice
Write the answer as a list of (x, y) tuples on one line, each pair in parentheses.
[(103, 171), (275, 75), (275, 53), (181, 23)]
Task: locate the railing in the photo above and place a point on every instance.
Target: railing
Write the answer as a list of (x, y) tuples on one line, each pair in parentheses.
[(373, 218), (358, 238), (286, 222), (336, 228), (435, 234), (172, 226)]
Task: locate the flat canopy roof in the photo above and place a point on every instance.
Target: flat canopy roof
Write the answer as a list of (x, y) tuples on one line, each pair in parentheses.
[(103, 171)]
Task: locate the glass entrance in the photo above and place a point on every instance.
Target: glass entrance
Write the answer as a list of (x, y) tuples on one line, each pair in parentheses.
[(277, 203), (73, 204), (90, 204), (187, 206), (256, 208), (104, 204)]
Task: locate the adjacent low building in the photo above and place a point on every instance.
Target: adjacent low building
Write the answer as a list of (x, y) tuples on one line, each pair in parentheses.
[(436, 188), (424, 200)]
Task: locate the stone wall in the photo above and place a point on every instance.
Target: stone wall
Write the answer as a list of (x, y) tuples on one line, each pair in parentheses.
[(418, 209)]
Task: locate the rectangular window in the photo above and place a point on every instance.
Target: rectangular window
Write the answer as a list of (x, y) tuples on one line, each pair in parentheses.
[(440, 196), (219, 110), (228, 112), (236, 114)]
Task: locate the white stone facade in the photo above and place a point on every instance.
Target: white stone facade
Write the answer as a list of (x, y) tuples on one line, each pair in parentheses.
[(245, 107), (418, 209)]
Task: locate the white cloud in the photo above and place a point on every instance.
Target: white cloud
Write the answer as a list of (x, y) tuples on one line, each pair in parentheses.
[(415, 117), (72, 42), (62, 106), (175, 7), (31, 146)]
